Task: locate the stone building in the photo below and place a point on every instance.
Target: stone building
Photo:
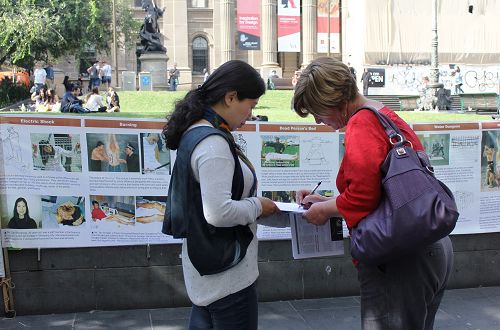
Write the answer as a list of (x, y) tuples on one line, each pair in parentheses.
[(390, 35)]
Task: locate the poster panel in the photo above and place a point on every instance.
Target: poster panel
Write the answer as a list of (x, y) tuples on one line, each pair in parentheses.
[(324, 29), (248, 24), (289, 26), (457, 154), (74, 182), (90, 181), (293, 156)]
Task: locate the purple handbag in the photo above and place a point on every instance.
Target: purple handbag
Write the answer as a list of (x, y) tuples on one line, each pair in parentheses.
[(415, 210)]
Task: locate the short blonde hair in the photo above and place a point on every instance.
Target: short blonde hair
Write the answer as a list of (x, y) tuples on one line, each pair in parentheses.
[(324, 84)]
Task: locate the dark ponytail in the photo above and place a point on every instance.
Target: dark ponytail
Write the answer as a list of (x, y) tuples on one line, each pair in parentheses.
[(186, 112), (231, 76)]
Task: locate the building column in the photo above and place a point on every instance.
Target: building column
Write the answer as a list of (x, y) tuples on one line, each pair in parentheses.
[(227, 30), (177, 41), (309, 34), (269, 37)]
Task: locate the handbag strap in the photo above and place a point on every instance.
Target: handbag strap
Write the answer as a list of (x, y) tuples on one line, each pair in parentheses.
[(390, 128)]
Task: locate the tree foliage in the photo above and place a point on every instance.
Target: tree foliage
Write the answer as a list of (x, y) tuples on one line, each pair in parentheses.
[(32, 30)]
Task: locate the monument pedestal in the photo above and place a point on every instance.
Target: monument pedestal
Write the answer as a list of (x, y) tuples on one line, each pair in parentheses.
[(156, 64)]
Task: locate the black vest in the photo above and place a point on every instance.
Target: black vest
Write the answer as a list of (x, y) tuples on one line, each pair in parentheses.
[(211, 249)]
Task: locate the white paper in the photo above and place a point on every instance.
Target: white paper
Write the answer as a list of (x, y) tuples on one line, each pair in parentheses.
[(290, 207), (309, 241)]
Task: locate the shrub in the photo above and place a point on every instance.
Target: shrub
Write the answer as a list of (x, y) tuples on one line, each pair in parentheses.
[(11, 93)]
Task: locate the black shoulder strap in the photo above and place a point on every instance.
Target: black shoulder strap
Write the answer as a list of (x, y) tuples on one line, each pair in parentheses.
[(195, 135)]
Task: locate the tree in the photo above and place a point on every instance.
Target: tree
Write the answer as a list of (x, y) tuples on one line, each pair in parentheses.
[(31, 30)]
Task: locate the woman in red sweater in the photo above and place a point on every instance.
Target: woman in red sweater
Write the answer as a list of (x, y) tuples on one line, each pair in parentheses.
[(404, 293)]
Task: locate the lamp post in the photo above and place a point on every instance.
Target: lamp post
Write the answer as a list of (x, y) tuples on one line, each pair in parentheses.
[(328, 33), (434, 83), (115, 44)]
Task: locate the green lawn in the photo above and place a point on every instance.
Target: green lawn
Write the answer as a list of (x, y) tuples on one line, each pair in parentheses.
[(274, 104)]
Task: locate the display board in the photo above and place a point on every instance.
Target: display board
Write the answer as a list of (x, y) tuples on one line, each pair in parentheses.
[(90, 181)]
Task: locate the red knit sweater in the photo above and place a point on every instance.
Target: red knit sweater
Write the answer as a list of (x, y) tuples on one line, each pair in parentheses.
[(359, 177)]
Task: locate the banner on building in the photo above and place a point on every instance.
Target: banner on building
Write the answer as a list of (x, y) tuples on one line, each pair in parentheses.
[(377, 77), (289, 26), (328, 26), (90, 181), (248, 18)]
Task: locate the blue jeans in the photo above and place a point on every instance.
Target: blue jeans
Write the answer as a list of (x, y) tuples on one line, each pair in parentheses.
[(173, 84), (236, 311), (405, 293)]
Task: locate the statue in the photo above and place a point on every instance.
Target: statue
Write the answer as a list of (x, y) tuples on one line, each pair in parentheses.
[(150, 31)]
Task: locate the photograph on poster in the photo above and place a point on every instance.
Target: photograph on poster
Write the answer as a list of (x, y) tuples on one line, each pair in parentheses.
[(241, 142), (437, 147), (490, 160), (20, 212), (280, 151), (13, 154), (56, 152), (62, 211), (155, 155), (111, 212), (149, 209), (280, 196), (113, 152)]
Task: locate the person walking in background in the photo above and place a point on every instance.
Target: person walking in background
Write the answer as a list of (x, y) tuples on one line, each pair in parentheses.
[(49, 79), (93, 71), (270, 83), (40, 77), (106, 74), (215, 208), (365, 78), (458, 81), (352, 70), (173, 79), (404, 293)]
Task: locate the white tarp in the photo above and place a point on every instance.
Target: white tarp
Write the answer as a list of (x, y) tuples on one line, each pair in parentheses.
[(400, 31)]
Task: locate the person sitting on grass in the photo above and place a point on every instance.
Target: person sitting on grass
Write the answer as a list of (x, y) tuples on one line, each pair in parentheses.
[(71, 102), (113, 100), (52, 102), (95, 102), (39, 97)]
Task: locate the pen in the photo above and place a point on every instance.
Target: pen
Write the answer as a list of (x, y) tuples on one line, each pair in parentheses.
[(314, 189), (312, 192)]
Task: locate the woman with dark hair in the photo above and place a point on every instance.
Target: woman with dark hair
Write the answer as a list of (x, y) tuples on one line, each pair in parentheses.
[(21, 218), (52, 103), (213, 206), (51, 155), (95, 102), (403, 293)]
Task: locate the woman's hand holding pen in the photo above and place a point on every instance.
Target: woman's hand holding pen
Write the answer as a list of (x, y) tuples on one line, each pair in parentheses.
[(268, 207), (317, 206), (306, 199)]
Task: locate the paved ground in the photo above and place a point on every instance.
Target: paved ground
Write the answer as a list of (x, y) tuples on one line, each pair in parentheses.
[(477, 308)]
